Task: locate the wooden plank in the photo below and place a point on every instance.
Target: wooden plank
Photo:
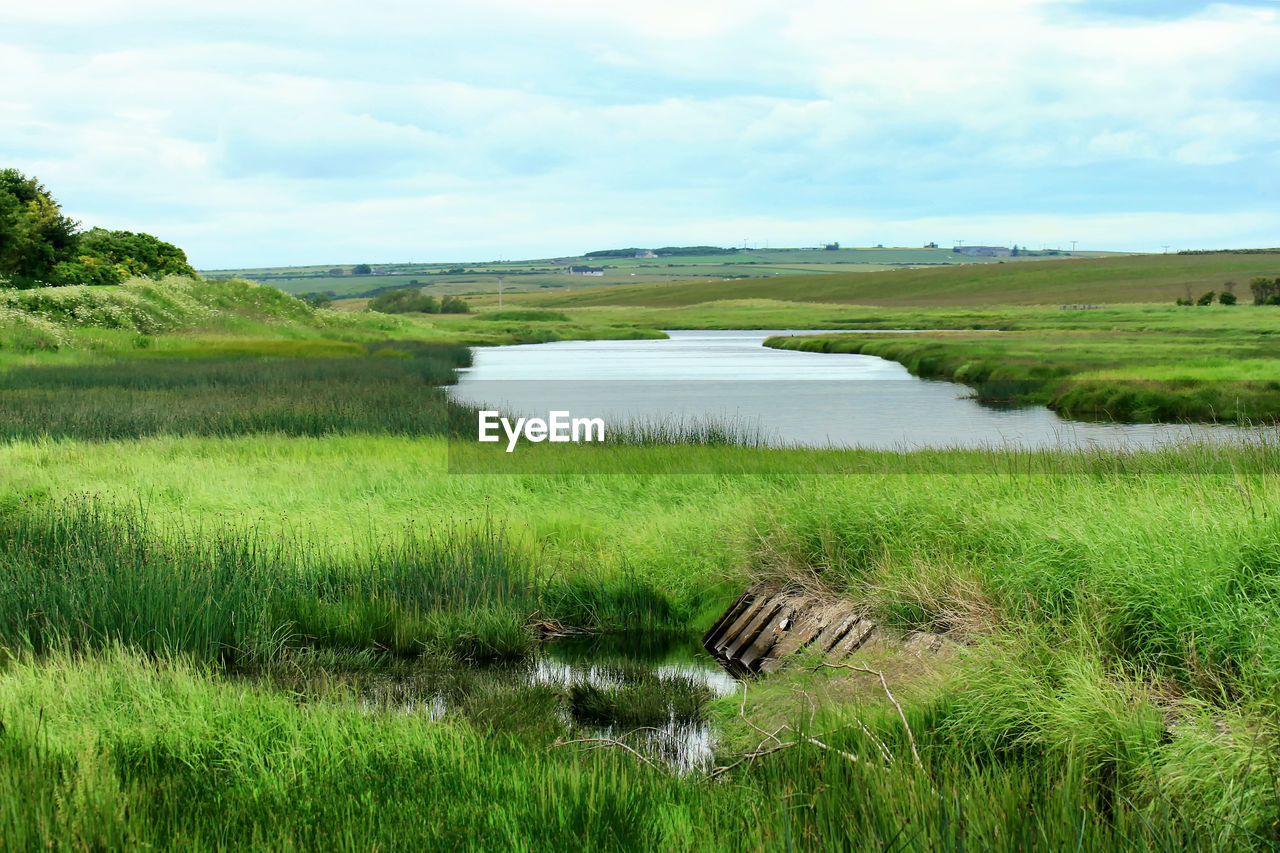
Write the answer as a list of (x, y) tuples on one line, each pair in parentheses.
[(726, 619), (834, 631), (853, 638), (749, 633), (767, 637), (731, 633), (802, 632)]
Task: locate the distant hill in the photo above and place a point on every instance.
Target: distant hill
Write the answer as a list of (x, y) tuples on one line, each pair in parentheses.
[(620, 267)]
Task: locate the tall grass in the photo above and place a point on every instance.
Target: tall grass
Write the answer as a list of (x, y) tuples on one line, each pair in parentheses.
[(79, 575), (1128, 372), (238, 389), (124, 751)]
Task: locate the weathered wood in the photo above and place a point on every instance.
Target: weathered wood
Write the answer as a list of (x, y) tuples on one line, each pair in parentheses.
[(712, 637), (836, 629), (763, 628), (852, 639), (730, 634), (800, 633), (766, 639), (754, 627)]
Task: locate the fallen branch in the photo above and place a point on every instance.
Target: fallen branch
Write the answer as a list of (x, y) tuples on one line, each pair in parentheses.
[(915, 753), (598, 742)]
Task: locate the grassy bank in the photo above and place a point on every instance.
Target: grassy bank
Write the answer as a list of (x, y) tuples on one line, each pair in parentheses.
[(198, 318), (1219, 364)]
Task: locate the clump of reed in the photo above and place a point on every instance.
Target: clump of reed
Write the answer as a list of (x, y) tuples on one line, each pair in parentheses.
[(81, 575), (634, 696)]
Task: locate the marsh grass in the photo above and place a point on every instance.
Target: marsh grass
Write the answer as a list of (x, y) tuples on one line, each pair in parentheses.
[(240, 388), (632, 696), (123, 750), (79, 575), (1130, 372)]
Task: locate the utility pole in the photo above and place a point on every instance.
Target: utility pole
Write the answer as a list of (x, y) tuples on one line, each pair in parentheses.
[(1166, 250), (499, 293), (1073, 246)]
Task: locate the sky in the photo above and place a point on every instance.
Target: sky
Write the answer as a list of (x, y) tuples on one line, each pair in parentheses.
[(279, 132)]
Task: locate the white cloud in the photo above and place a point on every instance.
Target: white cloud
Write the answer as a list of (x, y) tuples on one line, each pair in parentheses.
[(289, 132)]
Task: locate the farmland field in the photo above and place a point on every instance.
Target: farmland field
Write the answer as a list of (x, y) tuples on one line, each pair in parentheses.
[(550, 273)]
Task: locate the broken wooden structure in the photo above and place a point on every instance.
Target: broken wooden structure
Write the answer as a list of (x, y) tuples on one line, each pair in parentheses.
[(764, 627)]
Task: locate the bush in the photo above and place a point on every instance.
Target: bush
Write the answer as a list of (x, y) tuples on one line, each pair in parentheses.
[(406, 301), (454, 305), (1225, 298), (1206, 298), (1265, 291), (1181, 301)]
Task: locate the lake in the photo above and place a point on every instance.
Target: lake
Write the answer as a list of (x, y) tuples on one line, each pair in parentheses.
[(788, 398)]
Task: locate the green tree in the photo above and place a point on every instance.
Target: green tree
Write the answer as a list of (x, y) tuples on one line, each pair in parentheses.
[(110, 257), (404, 301), (34, 234), (454, 305), (361, 269)]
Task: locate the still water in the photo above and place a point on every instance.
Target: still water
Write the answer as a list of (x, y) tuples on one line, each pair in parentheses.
[(786, 397)]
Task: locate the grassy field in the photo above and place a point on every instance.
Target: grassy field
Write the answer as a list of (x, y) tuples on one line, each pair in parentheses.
[(549, 273), (1102, 280), (246, 601), (1210, 363)]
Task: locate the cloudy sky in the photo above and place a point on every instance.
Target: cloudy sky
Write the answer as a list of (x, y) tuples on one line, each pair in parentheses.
[(259, 132)]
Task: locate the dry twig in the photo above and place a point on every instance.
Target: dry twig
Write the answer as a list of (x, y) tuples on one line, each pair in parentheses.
[(915, 753)]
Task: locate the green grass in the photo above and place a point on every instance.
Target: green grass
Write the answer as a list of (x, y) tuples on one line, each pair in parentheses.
[(238, 387), (121, 751), (1105, 280), (1218, 365)]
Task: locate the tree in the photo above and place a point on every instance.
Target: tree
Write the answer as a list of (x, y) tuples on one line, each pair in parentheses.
[(405, 301), (34, 235), (1264, 290), (361, 269), (41, 246), (110, 257)]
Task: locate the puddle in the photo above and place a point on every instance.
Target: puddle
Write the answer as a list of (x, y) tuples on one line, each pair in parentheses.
[(650, 693)]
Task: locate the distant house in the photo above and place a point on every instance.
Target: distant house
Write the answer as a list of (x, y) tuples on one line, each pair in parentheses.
[(832, 247), (645, 253), (931, 245), (585, 270), (984, 251)]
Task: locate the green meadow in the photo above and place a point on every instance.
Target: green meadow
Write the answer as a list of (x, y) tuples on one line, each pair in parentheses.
[(249, 600)]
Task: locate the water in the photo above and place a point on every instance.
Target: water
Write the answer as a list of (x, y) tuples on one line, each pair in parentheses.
[(788, 397), (548, 690)]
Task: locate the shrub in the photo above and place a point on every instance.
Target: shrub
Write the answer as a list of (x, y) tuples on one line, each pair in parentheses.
[(406, 301), (1266, 291), (1206, 298), (454, 305), (1226, 298)]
